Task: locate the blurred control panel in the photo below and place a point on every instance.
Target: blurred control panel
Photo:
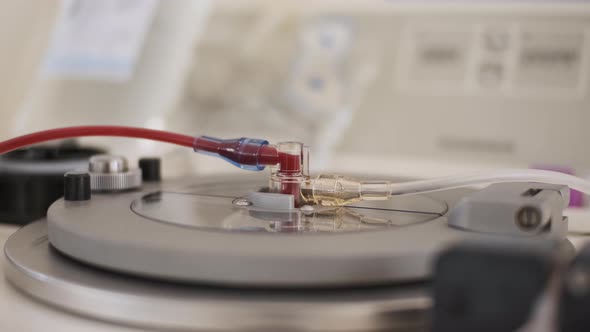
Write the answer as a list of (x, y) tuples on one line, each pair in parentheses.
[(503, 81), (516, 59)]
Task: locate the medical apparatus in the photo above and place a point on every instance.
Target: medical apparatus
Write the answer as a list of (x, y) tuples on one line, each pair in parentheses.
[(372, 169), (117, 225)]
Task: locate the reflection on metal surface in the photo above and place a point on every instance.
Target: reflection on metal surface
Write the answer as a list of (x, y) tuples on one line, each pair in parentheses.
[(221, 212)]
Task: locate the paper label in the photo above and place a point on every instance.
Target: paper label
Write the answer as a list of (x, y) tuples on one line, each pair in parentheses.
[(99, 40)]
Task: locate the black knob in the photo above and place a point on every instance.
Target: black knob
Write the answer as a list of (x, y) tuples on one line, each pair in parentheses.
[(150, 169), (77, 186)]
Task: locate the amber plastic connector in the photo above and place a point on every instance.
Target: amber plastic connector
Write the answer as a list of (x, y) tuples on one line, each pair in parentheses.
[(335, 190)]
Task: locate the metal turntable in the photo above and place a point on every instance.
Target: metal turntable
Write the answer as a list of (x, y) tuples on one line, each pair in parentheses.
[(225, 254), (290, 252)]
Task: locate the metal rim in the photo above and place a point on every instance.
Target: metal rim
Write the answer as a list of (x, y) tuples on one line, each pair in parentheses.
[(41, 272)]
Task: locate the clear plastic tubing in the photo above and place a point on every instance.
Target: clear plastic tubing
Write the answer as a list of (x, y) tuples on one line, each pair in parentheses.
[(329, 189), (506, 175)]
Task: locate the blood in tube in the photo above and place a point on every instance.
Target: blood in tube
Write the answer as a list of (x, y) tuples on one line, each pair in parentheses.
[(290, 165)]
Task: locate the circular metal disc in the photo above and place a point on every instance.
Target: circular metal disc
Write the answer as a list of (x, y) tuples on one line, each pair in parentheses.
[(42, 272), (192, 232)]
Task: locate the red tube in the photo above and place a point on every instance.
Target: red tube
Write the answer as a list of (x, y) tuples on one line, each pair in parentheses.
[(261, 155), (80, 131)]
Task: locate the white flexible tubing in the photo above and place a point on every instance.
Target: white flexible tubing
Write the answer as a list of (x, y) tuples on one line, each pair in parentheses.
[(506, 175)]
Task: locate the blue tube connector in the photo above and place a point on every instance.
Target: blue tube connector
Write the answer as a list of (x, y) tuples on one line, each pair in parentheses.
[(246, 153)]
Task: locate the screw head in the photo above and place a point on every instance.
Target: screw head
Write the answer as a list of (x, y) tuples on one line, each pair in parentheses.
[(110, 173), (528, 218), (307, 209), (242, 202), (105, 164)]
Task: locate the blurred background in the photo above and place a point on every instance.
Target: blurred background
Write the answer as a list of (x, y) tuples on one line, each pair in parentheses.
[(414, 88)]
